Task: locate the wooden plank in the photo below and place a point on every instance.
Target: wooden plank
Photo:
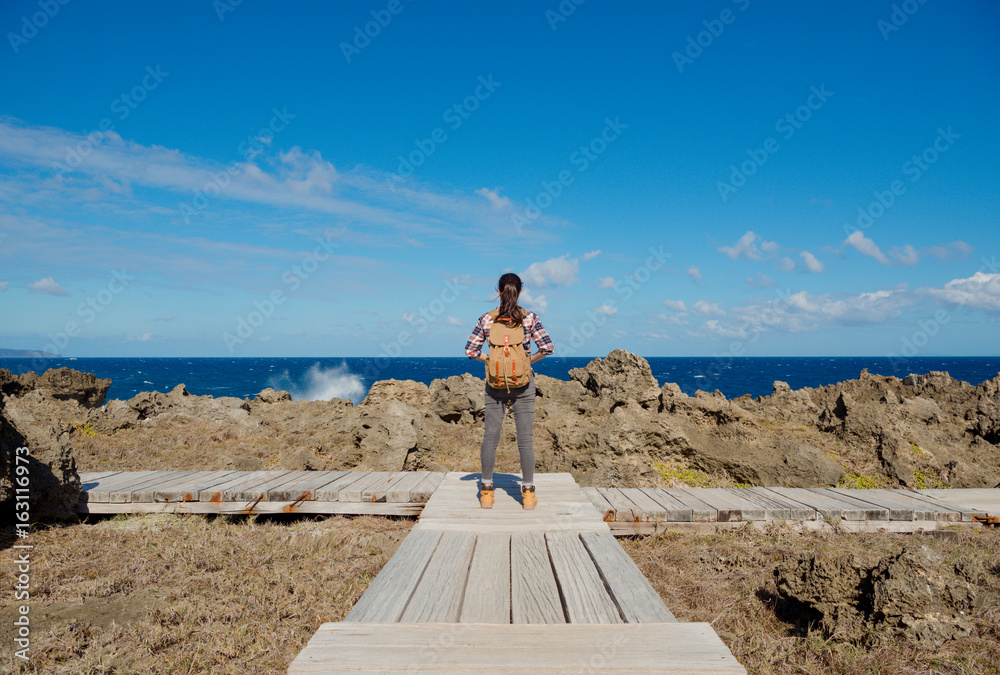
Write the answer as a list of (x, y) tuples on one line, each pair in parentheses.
[(584, 597), (487, 591), (355, 492), (637, 600), (101, 493), (700, 511), (674, 510), (262, 507), (534, 595), (305, 489), (824, 503), (625, 510), (561, 649), (871, 511), (386, 596), (147, 493), (600, 503), (824, 525), (237, 479), (732, 508), (900, 508), (94, 476), (255, 491), (125, 493), (380, 493), (331, 491), (422, 491), (188, 492), (400, 490), (982, 501), (650, 509), (953, 512), (778, 507), (439, 593)]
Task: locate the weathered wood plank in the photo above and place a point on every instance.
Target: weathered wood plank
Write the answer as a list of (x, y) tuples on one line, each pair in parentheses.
[(534, 593), (101, 492), (487, 591), (899, 509), (262, 507), (625, 510), (188, 492), (637, 600), (387, 595), (824, 503), (304, 490), (871, 511), (776, 506), (560, 649), (701, 512), (399, 491), (124, 493), (600, 503), (650, 509), (240, 478), (674, 509), (331, 491), (439, 593), (147, 493), (584, 597)]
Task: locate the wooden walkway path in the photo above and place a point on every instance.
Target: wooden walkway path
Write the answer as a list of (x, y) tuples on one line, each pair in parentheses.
[(505, 590), (247, 492), (652, 510)]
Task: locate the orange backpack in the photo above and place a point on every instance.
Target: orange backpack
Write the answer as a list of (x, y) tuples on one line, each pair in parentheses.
[(507, 364)]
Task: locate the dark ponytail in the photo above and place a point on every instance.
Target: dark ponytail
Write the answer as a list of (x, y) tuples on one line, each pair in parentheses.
[(509, 288)]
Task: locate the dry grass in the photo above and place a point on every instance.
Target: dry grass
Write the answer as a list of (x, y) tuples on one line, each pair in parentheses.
[(169, 594), (726, 579)]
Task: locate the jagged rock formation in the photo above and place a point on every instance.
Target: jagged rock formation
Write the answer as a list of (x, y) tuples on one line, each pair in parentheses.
[(913, 591), (611, 424)]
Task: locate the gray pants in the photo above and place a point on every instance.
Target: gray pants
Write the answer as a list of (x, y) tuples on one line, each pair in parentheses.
[(523, 399)]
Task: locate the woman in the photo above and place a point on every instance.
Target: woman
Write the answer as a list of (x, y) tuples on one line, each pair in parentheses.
[(523, 397)]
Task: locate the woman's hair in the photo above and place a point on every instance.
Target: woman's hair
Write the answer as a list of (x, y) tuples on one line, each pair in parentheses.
[(509, 288)]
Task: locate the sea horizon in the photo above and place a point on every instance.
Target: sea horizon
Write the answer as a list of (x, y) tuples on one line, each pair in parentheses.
[(323, 378)]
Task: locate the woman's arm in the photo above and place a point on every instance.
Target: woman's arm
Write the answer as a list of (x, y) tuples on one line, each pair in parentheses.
[(542, 339)]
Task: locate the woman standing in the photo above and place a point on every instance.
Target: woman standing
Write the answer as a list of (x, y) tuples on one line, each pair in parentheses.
[(522, 398)]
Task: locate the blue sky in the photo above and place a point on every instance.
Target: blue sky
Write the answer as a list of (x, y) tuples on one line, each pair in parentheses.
[(350, 179)]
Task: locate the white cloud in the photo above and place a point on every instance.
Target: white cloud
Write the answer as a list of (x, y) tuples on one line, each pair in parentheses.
[(591, 255), (694, 273), (618, 333), (145, 337), (907, 255), (812, 264), (751, 246), (561, 271), (706, 308), (538, 305), (4, 285), (605, 282), (760, 281), (980, 291), (494, 198), (956, 249), (46, 285), (865, 246), (452, 321), (607, 310), (675, 305), (786, 264)]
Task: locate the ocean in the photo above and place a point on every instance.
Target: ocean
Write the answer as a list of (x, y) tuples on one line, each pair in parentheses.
[(350, 378)]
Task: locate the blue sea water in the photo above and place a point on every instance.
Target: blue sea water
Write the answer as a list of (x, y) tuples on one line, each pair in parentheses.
[(350, 378)]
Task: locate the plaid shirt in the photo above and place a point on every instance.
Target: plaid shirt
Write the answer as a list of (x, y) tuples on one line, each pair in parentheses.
[(533, 329)]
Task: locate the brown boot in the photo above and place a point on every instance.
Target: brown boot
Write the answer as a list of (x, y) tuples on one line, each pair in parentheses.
[(486, 495), (528, 499)]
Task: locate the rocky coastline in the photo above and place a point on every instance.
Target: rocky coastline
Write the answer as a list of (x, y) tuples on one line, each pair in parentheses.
[(610, 424)]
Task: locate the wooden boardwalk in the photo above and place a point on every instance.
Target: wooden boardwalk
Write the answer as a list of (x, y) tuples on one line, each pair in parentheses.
[(505, 590), (652, 510), (249, 492)]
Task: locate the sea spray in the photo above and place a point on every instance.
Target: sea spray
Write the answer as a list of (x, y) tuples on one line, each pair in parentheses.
[(322, 384)]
